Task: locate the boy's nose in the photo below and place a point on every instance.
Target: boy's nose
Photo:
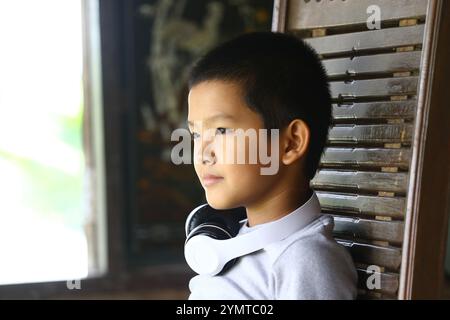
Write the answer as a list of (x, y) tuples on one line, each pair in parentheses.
[(205, 152)]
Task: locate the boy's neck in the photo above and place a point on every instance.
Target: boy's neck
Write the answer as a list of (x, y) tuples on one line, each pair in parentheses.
[(277, 205)]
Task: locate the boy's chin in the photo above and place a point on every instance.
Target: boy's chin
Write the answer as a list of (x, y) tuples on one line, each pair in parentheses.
[(220, 204)]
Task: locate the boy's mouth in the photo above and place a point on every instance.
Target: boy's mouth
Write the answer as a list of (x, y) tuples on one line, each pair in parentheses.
[(210, 179)]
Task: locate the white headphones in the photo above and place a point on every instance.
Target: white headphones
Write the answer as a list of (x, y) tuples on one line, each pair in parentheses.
[(212, 242)]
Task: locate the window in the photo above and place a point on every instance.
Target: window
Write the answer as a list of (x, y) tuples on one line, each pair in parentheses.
[(44, 211)]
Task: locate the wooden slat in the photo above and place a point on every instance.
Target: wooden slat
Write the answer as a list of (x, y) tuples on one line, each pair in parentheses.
[(322, 14), (371, 134), (362, 204), (366, 157), (360, 180), (389, 281), (390, 62), (375, 87), (353, 43), (375, 110), (358, 228), (369, 254)]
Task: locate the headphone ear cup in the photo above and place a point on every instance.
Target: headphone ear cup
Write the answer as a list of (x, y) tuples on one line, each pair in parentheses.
[(211, 230), (216, 224), (196, 218), (215, 231), (227, 219)]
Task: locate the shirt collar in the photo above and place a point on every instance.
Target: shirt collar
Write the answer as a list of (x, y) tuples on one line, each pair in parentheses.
[(310, 208)]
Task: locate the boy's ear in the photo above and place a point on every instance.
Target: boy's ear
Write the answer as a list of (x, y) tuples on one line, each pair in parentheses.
[(295, 141)]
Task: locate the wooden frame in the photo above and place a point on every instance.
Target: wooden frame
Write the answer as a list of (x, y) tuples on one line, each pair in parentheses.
[(279, 15), (426, 224)]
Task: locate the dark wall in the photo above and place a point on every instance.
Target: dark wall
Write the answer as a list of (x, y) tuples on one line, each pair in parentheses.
[(160, 39)]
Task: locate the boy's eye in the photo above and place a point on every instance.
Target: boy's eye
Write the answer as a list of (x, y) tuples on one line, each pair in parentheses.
[(195, 135), (222, 130)]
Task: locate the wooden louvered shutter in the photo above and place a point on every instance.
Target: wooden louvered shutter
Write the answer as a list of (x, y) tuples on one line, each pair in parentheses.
[(380, 78)]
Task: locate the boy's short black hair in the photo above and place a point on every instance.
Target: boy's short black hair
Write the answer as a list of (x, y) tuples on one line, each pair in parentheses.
[(282, 79)]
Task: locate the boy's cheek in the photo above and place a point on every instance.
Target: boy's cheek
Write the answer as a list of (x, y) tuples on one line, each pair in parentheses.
[(232, 151)]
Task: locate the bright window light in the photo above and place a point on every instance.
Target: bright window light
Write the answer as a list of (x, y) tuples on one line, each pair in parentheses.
[(41, 157)]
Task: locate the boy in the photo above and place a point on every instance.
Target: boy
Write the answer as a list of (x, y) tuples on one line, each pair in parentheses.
[(266, 80)]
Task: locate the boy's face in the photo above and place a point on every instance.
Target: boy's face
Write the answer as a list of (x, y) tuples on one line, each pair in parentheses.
[(240, 184)]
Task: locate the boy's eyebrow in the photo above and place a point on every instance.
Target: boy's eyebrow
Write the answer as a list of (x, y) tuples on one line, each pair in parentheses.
[(215, 117)]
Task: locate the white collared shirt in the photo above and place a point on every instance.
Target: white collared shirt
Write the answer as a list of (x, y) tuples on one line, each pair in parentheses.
[(309, 264)]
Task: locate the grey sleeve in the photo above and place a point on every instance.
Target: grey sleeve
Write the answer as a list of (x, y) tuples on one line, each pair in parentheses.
[(316, 268)]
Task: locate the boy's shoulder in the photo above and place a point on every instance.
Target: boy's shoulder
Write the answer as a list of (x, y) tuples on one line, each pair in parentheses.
[(310, 264), (309, 246)]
